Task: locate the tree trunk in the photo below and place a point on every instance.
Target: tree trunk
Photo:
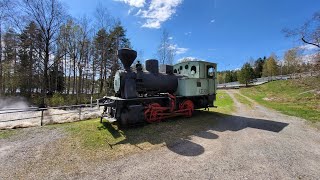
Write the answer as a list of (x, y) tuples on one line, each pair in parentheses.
[(74, 75), (45, 69), (93, 75), (69, 78), (101, 78), (1, 80)]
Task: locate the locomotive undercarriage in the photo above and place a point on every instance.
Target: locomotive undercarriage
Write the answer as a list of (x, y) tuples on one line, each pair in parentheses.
[(128, 112)]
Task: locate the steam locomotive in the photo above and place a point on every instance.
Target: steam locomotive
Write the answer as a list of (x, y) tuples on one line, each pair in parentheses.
[(155, 94)]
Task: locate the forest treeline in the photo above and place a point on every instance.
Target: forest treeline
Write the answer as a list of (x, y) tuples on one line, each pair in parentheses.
[(292, 63), (53, 58)]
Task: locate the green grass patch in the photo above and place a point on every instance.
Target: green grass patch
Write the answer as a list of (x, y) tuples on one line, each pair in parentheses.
[(4, 134), (93, 135), (243, 100), (292, 97), (96, 139), (224, 102)]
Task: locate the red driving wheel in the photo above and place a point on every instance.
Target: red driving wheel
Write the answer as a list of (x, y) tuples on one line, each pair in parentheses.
[(187, 105), (151, 113)]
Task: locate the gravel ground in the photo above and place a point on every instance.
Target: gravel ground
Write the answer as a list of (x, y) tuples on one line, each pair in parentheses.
[(253, 143)]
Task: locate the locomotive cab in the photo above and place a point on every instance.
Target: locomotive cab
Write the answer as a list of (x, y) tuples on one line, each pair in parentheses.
[(200, 78)]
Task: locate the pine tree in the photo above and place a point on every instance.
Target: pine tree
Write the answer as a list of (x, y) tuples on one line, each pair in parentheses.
[(246, 74), (27, 55), (10, 62)]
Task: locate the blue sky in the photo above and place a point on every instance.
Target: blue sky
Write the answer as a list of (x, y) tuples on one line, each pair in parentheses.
[(227, 32)]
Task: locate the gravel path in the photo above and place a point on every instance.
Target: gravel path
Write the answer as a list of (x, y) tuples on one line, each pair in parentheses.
[(253, 143)]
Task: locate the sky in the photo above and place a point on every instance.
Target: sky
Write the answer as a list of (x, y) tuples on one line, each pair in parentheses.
[(227, 32)]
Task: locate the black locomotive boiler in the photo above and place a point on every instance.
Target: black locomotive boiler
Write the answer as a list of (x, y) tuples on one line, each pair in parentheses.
[(152, 95)]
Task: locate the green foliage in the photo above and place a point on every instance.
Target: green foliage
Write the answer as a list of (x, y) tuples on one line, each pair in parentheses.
[(231, 76), (293, 97), (246, 74), (258, 67), (270, 67), (57, 100), (227, 76)]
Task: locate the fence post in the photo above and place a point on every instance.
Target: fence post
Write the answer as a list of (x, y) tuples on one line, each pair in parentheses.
[(80, 113), (41, 121), (91, 101), (98, 104)]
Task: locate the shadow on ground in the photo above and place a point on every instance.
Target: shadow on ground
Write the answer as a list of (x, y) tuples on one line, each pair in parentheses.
[(176, 133)]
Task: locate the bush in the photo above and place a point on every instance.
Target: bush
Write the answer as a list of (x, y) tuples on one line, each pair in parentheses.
[(57, 100)]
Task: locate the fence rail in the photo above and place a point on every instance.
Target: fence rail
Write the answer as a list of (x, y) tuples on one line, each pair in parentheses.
[(35, 116)]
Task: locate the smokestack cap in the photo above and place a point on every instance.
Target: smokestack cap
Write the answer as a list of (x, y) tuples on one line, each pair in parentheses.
[(127, 56)]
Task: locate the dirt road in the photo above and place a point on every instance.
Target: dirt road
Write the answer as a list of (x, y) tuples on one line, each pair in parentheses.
[(253, 143)]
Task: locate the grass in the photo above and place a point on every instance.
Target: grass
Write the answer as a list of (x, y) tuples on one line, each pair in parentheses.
[(92, 135), (224, 103), (292, 97), (4, 134), (243, 100)]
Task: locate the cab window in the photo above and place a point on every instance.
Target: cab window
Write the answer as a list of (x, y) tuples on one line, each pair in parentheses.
[(210, 71)]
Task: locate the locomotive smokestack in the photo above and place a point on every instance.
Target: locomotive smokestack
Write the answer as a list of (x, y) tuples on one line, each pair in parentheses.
[(127, 56)]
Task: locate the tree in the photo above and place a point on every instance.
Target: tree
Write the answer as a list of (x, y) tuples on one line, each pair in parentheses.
[(43, 53), (166, 50), (292, 61), (246, 74), (309, 33), (100, 48), (258, 67), (117, 40), (48, 16), (4, 14), (234, 76), (228, 76), (270, 67), (10, 62), (28, 44)]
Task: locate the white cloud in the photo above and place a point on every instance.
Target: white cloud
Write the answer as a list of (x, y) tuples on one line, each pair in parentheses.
[(308, 47), (155, 12), (129, 11), (177, 49), (159, 11), (134, 3), (170, 37), (188, 33), (138, 13), (181, 50), (212, 21)]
